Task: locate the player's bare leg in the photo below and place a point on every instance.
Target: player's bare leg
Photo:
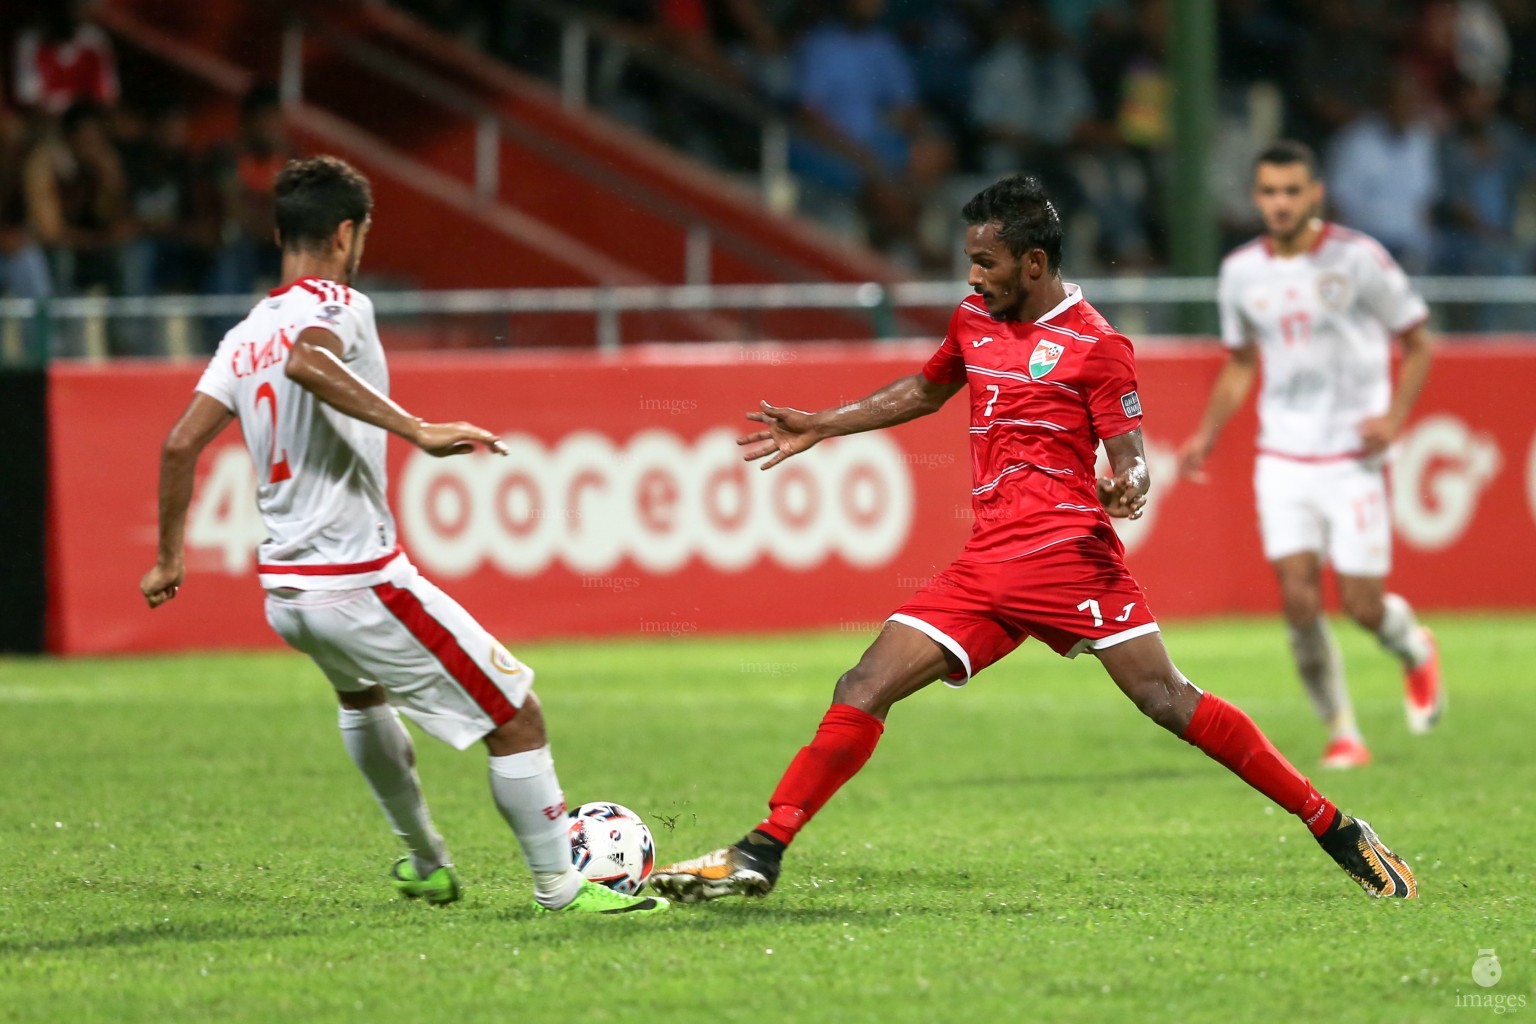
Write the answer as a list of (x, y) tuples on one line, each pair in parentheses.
[(381, 748), (1391, 619), (1144, 672), (1318, 661), (901, 661)]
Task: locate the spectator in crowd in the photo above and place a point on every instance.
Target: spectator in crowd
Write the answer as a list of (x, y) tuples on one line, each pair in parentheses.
[(76, 201), (1342, 58), (944, 39), (23, 265), (1126, 71), (857, 100), (1485, 165), (161, 181), (242, 174), (1030, 99), (1383, 174), (64, 60), (75, 197), (1452, 40)]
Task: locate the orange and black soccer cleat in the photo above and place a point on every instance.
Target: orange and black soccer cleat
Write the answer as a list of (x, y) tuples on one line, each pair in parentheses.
[(1362, 854)]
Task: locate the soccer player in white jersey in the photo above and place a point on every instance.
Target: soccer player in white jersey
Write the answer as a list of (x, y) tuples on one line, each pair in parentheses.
[(1318, 306), (304, 373)]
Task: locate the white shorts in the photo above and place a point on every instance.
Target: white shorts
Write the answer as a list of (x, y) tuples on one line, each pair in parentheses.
[(1336, 509), (436, 663)]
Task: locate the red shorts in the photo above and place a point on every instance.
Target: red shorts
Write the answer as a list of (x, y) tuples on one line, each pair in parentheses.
[(1074, 595)]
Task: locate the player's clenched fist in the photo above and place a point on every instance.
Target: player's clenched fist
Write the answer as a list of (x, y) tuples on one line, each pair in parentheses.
[(160, 584), (1124, 494)]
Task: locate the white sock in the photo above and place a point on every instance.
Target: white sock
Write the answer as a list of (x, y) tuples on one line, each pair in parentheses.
[(382, 751), (527, 794), (1400, 632), (1322, 673)]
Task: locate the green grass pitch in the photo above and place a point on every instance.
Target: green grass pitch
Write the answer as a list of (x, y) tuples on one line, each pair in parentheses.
[(183, 839)]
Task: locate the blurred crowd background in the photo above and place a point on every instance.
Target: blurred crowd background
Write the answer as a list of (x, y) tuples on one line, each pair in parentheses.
[(1424, 114)]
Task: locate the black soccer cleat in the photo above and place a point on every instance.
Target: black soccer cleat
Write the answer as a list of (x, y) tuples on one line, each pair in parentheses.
[(1366, 859)]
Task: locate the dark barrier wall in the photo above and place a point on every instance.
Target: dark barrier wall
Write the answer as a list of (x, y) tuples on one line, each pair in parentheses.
[(23, 508)]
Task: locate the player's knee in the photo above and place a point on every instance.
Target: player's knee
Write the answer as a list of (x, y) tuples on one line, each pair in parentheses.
[(1161, 698), (857, 686), (523, 731), (359, 699), (1303, 605), (1366, 609)]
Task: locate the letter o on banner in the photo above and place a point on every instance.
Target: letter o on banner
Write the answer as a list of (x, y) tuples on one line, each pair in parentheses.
[(730, 530), (440, 504), (528, 516), (870, 488)]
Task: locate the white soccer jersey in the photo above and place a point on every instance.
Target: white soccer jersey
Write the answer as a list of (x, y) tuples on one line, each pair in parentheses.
[(320, 474), (1324, 322)]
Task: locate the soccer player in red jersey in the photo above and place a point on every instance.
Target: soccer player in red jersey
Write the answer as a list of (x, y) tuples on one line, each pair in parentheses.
[(1049, 379)]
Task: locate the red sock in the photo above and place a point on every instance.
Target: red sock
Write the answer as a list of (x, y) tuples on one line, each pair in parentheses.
[(843, 743), (1229, 737)]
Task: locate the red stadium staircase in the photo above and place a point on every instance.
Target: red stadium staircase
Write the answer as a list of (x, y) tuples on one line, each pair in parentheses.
[(482, 178)]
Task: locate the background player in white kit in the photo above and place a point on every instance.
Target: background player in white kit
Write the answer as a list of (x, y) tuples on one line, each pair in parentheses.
[(1319, 305), (304, 374)]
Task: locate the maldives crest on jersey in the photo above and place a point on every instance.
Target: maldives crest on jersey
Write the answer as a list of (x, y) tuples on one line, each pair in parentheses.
[(1043, 359)]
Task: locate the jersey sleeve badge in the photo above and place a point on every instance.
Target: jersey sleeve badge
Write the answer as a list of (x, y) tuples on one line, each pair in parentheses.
[(1131, 405)]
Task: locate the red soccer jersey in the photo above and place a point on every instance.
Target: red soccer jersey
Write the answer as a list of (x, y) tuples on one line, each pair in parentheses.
[(1043, 394)]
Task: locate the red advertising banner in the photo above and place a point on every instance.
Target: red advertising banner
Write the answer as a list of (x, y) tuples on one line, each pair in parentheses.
[(624, 507)]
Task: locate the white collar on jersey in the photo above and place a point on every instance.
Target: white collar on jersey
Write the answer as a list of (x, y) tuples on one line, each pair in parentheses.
[(1074, 296)]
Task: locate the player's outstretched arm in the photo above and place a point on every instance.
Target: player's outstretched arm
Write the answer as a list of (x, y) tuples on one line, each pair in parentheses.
[(315, 365), (201, 423), (1418, 352), (791, 431), (1124, 491), (1227, 395)]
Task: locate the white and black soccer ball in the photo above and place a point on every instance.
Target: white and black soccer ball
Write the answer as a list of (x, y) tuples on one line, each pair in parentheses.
[(611, 845)]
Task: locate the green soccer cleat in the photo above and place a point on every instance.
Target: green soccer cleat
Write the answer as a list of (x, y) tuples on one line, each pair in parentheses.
[(440, 888), (592, 898)]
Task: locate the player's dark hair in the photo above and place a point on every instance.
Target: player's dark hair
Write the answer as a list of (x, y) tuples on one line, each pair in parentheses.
[(1287, 152), (1027, 218), (314, 196)]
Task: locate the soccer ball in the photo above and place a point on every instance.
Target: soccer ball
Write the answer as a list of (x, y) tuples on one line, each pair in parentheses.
[(612, 846)]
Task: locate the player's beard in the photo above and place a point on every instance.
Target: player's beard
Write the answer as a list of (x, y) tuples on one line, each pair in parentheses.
[(1303, 222), (1015, 298)]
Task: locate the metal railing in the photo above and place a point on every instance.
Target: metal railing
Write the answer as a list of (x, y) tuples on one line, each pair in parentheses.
[(492, 126), (185, 326)]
